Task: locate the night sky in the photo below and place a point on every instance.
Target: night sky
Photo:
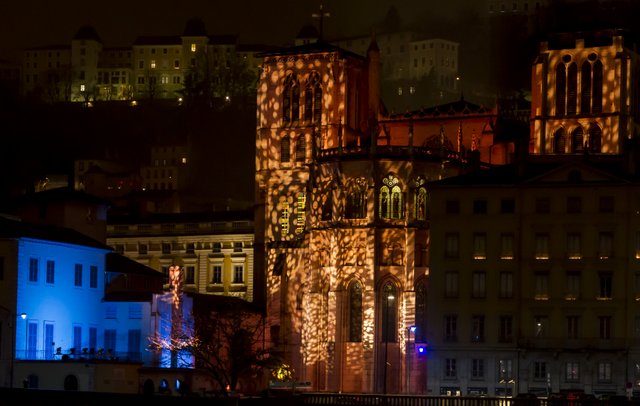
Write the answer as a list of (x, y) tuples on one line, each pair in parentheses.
[(118, 22)]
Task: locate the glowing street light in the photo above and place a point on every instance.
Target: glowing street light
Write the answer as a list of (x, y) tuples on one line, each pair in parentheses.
[(389, 298)]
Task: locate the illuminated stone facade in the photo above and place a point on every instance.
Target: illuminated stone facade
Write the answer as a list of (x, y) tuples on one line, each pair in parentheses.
[(534, 272), (342, 216)]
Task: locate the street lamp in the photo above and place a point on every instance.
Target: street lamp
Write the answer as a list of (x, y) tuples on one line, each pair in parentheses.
[(410, 330), (23, 316), (386, 335)]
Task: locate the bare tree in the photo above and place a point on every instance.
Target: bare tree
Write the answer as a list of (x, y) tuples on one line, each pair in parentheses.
[(227, 343)]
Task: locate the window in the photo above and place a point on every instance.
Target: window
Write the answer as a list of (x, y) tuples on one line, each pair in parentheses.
[(540, 326), (577, 140), (451, 284), (506, 329), (541, 246), (539, 370), (605, 327), (507, 206), (573, 285), (93, 276), (285, 149), (478, 284), (77, 275), (110, 340), (574, 205), (142, 249), (391, 199), (190, 248), (572, 327), (238, 274), (48, 338), (480, 206), (480, 246), (559, 141), (451, 328), (477, 368), (506, 285), (355, 313), (32, 339), (604, 372), (506, 246), (420, 202), (451, 249), (595, 139), (193, 48), (190, 275), (574, 250), (313, 99), (356, 200), (561, 91), (133, 344), (477, 329), (450, 368), (51, 271), (605, 279), (216, 274), (77, 338), (389, 313), (505, 368), (33, 269), (237, 246), (216, 247), (541, 286), (166, 248), (291, 99), (605, 245), (572, 372), (301, 148)]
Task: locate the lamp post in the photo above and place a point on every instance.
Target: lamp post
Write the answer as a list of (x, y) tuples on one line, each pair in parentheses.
[(389, 299), (23, 316), (410, 330)]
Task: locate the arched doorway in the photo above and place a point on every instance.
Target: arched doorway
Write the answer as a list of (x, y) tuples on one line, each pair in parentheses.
[(70, 382)]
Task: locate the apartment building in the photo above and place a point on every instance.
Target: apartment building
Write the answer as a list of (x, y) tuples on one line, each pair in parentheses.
[(533, 267)]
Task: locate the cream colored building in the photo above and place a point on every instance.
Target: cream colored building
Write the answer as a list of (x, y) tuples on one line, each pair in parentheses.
[(215, 249)]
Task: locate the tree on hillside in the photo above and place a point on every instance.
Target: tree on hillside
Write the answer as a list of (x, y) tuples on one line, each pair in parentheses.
[(226, 343)]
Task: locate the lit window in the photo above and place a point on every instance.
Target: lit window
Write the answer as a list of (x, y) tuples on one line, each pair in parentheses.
[(153, 64), (82, 88), (541, 286), (480, 246), (193, 47)]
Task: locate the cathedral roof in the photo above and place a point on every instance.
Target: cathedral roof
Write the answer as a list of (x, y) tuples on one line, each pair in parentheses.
[(313, 47)]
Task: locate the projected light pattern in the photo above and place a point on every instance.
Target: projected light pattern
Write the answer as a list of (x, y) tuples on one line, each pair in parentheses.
[(343, 193), (581, 98)]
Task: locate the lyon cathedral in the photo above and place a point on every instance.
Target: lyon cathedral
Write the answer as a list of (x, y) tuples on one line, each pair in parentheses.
[(427, 253)]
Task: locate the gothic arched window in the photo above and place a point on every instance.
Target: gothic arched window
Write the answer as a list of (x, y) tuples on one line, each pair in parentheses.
[(301, 148), (384, 202), (577, 140), (291, 99), (561, 91), (595, 138), (420, 200), (388, 300), (572, 89), (596, 104), (285, 149), (559, 141), (356, 199), (391, 198), (585, 88), (313, 99), (355, 312)]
